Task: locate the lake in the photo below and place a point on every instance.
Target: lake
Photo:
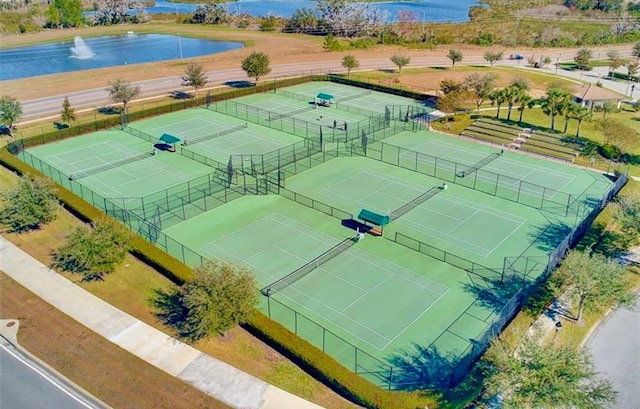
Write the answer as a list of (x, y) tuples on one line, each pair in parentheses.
[(105, 51), (426, 10)]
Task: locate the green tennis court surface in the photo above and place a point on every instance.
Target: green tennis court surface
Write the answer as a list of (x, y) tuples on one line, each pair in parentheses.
[(433, 285), (379, 295), (347, 95)]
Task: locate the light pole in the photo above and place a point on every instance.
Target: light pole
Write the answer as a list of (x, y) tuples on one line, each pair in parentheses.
[(633, 88), (558, 63)]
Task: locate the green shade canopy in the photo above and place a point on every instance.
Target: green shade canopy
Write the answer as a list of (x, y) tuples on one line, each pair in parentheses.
[(325, 97), (374, 218), (166, 138)]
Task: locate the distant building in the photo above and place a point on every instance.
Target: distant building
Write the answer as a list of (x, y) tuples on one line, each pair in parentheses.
[(592, 96)]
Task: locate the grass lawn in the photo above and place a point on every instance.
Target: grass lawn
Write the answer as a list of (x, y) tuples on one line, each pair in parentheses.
[(113, 375), (132, 286)]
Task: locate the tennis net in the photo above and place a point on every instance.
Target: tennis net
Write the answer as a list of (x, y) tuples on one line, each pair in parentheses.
[(275, 117), (358, 95), (222, 132), (110, 165), (479, 164), (415, 202), (301, 272)]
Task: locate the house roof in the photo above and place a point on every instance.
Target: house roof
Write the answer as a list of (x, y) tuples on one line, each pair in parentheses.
[(591, 92)]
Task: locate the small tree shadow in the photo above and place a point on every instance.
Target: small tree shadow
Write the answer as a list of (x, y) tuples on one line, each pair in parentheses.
[(109, 110), (422, 368), (239, 84), (180, 95), (494, 292), (548, 237), (171, 310), (60, 125)]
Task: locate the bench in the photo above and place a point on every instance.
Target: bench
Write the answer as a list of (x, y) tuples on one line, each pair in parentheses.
[(375, 231)]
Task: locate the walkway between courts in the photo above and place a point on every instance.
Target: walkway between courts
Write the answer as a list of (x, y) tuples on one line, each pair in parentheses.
[(211, 376)]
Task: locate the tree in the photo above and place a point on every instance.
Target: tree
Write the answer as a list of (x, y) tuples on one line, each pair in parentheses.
[(632, 67), (65, 13), (481, 86), (400, 61), (455, 56), (219, 296), (512, 94), (553, 102), (303, 20), (498, 97), (525, 101), (593, 281), (583, 59), (546, 61), (211, 13), (448, 86), (121, 91), (636, 50), (119, 12), (619, 136), (606, 107), (10, 112), (28, 205), (350, 62), (627, 217), (491, 57), (348, 19), (582, 114), (194, 76), (615, 61), (94, 252), (532, 60), (67, 115), (256, 65), (538, 375)]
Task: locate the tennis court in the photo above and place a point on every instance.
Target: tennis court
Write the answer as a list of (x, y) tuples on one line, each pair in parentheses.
[(347, 95), (445, 216), (377, 295), (100, 161), (286, 109), (545, 179)]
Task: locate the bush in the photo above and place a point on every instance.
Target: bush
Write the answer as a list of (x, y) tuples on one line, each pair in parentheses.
[(609, 151), (331, 43), (95, 252), (28, 205), (244, 23), (219, 296)]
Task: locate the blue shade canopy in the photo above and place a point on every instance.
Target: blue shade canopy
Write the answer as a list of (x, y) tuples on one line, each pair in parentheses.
[(325, 97), (374, 218)]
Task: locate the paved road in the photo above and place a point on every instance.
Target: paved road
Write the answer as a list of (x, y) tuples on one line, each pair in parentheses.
[(26, 385), (614, 346), (93, 98)]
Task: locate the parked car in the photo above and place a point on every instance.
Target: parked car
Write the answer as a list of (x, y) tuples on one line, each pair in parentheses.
[(516, 57)]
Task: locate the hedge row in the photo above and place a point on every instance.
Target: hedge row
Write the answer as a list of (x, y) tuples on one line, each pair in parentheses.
[(626, 77), (307, 356)]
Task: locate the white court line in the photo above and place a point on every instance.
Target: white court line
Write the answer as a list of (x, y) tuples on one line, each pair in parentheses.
[(506, 237), (319, 302), (415, 320), (364, 294), (463, 221)]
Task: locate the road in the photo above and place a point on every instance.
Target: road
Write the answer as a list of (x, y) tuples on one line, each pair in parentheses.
[(49, 107), (24, 384), (614, 348)]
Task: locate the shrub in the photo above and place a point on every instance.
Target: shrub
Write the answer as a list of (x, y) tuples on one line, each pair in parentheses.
[(609, 151), (28, 205), (95, 252)]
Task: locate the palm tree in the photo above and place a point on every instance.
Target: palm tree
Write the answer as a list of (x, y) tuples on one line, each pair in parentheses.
[(498, 97), (511, 96), (553, 102), (568, 109), (582, 114), (525, 101)]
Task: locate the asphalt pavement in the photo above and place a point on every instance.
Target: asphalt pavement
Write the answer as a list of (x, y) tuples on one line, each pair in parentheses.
[(615, 346), (26, 384), (49, 107)]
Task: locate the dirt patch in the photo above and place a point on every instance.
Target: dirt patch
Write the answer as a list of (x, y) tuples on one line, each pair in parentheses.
[(110, 373)]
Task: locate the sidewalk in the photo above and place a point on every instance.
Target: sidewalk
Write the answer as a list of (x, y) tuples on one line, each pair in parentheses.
[(211, 376)]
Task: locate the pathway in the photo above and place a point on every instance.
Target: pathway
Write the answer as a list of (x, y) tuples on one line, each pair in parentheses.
[(195, 368)]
